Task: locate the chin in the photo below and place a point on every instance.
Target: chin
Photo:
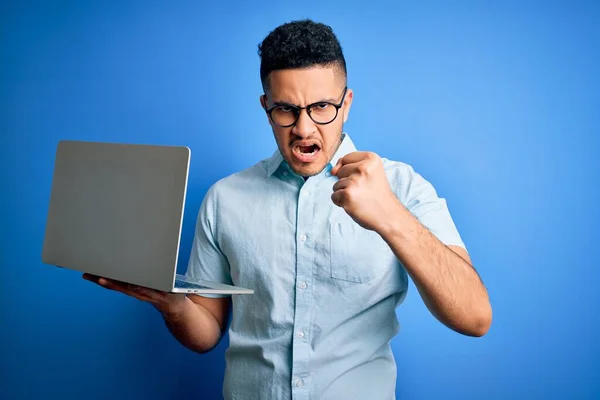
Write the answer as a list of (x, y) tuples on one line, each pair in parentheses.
[(311, 169)]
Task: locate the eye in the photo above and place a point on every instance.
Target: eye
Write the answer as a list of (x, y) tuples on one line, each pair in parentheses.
[(286, 109), (321, 106)]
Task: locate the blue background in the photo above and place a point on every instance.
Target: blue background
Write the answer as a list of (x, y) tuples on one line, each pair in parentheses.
[(498, 105)]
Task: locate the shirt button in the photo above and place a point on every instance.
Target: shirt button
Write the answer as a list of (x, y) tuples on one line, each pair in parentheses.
[(303, 238), (303, 285), (285, 173), (328, 174), (299, 383), (300, 334), (306, 194)]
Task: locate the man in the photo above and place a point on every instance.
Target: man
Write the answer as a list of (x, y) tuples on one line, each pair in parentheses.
[(327, 236)]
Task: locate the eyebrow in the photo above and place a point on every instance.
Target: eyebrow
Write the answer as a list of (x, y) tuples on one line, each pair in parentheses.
[(327, 100), (283, 103)]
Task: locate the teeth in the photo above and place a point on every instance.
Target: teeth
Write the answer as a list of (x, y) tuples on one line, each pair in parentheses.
[(297, 150)]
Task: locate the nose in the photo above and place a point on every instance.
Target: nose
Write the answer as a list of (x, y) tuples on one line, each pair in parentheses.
[(305, 126)]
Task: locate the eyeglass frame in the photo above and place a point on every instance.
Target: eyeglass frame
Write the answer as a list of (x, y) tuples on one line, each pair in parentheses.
[(299, 109)]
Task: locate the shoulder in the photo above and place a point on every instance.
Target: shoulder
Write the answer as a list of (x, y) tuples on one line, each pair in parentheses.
[(400, 173), (397, 168), (405, 181), (243, 182)]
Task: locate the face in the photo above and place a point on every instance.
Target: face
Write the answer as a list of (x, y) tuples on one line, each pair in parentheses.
[(307, 146)]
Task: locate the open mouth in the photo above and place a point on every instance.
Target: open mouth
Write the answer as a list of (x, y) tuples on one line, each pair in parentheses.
[(306, 153), (307, 149)]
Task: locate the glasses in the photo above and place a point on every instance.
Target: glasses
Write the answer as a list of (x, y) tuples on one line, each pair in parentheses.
[(322, 112)]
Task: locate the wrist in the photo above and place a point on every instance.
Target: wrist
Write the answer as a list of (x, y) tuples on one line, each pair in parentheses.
[(175, 308), (397, 224)]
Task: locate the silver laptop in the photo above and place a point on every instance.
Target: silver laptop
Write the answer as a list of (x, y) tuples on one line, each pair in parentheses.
[(116, 211)]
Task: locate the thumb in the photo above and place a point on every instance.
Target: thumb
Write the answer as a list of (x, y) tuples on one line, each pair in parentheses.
[(336, 167)]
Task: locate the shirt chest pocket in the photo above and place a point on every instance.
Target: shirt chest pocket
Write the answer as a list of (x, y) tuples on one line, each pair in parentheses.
[(355, 254)]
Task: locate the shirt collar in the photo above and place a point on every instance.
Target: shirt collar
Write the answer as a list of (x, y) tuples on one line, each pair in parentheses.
[(346, 147), (274, 162)]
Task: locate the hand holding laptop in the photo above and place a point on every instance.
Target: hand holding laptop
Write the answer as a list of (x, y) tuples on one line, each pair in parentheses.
[(115, 214), (196, 322), (165, 302)]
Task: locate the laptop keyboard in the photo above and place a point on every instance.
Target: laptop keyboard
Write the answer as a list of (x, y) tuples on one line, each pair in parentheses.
[(188, 285)]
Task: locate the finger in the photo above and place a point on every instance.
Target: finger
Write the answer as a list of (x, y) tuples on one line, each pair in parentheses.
[(355, 156), (129, 290), (89, 277), (108, 283), (138, 292), (349, 158), (111, 284), (150, 294), (343, 169), (97, 279), (339, 197), (142, 297), (343, 183), (336, 167), (357, 168)]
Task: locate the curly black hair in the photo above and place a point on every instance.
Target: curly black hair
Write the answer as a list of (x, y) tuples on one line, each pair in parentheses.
[(300, 44)]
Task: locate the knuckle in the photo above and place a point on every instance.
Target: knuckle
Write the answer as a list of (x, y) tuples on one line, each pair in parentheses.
[(349, 192), (373, 157)]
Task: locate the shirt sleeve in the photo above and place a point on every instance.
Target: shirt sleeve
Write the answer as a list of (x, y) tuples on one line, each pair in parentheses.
[(207, 261), (421, 199)]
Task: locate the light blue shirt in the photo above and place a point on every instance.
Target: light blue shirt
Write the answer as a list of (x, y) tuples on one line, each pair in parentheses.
[(322, 316)]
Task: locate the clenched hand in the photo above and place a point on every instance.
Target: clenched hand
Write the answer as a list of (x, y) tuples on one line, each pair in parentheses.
[(363, 191)]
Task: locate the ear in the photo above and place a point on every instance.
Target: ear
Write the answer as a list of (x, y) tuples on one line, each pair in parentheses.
[(348, 103), (264, 105), (263, 101)]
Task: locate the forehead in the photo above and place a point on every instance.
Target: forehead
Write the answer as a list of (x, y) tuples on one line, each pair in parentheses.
[(306, 85)]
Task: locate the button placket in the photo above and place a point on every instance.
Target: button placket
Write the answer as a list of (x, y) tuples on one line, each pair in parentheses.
[(303, 293)]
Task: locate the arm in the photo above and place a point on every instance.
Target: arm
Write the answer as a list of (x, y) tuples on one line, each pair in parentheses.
[(196, 322), (201, 323), (448, 284)]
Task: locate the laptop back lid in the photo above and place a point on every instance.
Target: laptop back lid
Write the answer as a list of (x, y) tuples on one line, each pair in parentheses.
[(116, 210)]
